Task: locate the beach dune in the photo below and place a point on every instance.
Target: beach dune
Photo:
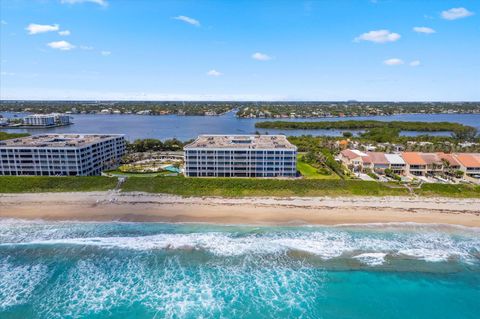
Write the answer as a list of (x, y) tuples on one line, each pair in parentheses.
[(108, 206)]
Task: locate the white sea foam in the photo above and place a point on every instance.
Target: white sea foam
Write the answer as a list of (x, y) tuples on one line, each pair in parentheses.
[(429, 246), (326, 245), (371, 259), (17, 282), (176, 291), (216, 243)]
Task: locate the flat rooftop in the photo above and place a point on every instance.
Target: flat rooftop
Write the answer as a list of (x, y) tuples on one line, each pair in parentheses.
[(57, 140), (242, 142)]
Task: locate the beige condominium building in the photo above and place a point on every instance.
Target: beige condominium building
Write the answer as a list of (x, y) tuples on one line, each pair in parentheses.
[(240, 156), (61, 154)]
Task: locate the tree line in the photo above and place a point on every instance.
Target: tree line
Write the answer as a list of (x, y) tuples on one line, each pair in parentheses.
[(459, 131), (156, 145)]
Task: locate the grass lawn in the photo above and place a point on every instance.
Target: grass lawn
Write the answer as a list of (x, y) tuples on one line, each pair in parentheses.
[(37, 184), (310, 172)]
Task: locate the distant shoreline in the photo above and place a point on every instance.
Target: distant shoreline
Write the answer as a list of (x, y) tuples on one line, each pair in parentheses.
[(23, 127), (143, 207), (246, 117)]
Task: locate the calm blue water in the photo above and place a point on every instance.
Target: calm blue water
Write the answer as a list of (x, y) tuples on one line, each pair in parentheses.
[(155, 270), (188, 127)]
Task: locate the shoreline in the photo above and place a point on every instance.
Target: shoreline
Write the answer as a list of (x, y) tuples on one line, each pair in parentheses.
[(38, 127), (146, 207)]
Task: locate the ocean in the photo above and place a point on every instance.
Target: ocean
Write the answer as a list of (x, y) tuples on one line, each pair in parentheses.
[(159, 270)]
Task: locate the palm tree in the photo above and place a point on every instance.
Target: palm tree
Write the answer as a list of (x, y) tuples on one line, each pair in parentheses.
[(447, 167)]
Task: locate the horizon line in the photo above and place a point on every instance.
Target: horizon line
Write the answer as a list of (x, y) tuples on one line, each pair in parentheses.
[(239, 101)]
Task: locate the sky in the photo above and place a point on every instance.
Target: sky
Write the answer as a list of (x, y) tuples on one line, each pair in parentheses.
[(366, 50)]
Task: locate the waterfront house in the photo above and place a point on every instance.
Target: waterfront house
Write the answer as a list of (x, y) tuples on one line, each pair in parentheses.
[(469, 165), (396, 163), (450, 162), (354, 159), (415, 164), (434, 163), (378, 161)]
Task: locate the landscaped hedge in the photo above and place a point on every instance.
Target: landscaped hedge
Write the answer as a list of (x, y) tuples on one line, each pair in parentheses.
[(37, 184)]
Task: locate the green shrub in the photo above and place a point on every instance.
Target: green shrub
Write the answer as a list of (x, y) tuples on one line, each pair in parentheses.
[(324, 171), (7, 136), (234, 187), (37, 184)]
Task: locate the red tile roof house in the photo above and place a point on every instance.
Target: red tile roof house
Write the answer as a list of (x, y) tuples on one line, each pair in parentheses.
[(450, 160), (434, 163), (470, 165), (354, 159), (450, 163), (378, 161), (416, 165)]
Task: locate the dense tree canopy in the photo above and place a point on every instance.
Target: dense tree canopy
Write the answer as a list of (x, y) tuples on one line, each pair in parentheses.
[(151, 144)]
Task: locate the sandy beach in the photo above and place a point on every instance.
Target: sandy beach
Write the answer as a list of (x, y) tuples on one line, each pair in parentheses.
[(107, 206)]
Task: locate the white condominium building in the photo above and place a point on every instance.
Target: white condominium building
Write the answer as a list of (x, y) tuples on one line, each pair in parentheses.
[(241, 156), (61, 154), (46, 119), (39, 120)]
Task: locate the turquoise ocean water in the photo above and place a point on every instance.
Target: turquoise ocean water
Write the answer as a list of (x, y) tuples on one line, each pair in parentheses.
[(157, 270)]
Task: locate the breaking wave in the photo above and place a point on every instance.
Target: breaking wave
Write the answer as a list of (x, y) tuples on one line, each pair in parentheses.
[(370, 247)]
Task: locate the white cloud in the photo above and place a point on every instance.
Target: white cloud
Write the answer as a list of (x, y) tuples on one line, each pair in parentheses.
[(34, 28), (188, 20), (61, 45), (103, 3), (86, 47), (378, 36), (261, 56), (105, 53), (214, 73), (456, 13), (393, 61), (64, 32), (425, 30), (415, 63), (4, 22), (4, 73)]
